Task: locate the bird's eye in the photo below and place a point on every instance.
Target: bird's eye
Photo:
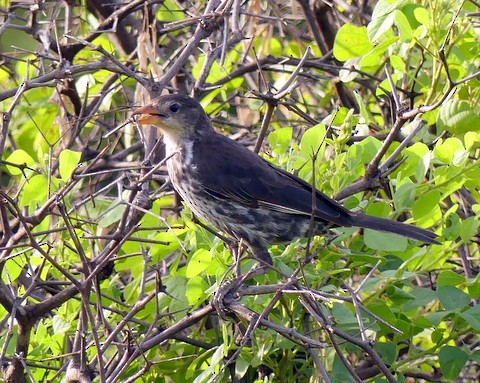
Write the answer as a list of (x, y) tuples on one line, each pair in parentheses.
[(174, 108)]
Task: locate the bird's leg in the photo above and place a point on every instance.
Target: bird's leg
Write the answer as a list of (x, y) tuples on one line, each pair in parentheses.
[(236, 248), (226, 291)]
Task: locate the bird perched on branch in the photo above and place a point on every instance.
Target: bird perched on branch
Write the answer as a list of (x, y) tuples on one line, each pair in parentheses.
[(240, 193)]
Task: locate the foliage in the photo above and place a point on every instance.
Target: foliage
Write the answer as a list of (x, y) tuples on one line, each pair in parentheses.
[(105, 278)]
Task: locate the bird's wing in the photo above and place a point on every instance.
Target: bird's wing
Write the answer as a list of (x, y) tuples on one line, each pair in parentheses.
[(230, 172)]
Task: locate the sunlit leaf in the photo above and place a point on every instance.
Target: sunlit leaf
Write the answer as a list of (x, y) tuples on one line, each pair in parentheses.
[(68, 160), (351, 41), (21, 158)]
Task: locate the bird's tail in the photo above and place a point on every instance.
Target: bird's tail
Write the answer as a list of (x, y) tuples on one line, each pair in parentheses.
[(382, 224)]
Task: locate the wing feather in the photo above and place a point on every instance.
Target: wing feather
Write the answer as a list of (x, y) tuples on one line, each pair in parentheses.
[(230, 172)]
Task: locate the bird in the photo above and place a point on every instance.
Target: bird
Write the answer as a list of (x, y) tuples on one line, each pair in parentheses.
[(240, 193)]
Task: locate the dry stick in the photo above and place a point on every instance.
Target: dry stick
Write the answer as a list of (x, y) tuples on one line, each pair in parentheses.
[(139, 305), (358, 315), (26, 230), (370, 181), (253, 325), (288, 333), (357, 306), (265, 124), (165, 335), (367, 277), (305, 4), (273, 99), (108, 253), (372, 168), (126, 70), (389, 161), (8, 114), (463, 251), (329, 330), (311, 307), (202, 31), (48, 79), (210, 58), (115, 17), (99, 355), (286, 88), (321, 370), (268, 289), (396, 98), (323, 373), (4, 224), (73, 235), (74, 365), (235, 17)]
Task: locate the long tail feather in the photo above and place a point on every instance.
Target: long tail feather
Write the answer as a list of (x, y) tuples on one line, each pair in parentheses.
[(381, 224)]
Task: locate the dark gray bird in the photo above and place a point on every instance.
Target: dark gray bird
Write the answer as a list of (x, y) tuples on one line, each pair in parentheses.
[(241, 194)]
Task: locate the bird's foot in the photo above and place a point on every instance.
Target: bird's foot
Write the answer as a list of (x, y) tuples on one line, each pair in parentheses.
[(227, 291)]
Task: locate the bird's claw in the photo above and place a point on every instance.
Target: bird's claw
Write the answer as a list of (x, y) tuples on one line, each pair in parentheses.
[(226, 294)]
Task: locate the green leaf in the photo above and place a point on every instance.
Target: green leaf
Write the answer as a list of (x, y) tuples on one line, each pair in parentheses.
[(198, 263), (14, 269), (437, 335), (417, 161), (374, 57), (196, 287), (404, 28), (68, 160), (452, 298), (60, 325), (473, 287), (279, 140), (452, 359), (458, 117), (381, 23), (404, 196), (344, 317), (370, 146), (379, 240), (383, 311), (472, 140), (449, 150), (160, 251), (426, 210), (387, 351), (398, 295), (351, 41), (112, 215), (472, 317), (210, 374), (19, 157), (436, 317), (397, 63), (363, 109), (35, 190), (423, 297), (469, 228), (449, 278), (339, 371), (422, 16), (313, 142), (383, 17)]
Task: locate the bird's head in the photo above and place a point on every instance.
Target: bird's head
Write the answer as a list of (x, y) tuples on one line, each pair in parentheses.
[(179, 117)]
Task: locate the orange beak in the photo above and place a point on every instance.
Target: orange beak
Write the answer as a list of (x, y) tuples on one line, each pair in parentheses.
[(147, 114)]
